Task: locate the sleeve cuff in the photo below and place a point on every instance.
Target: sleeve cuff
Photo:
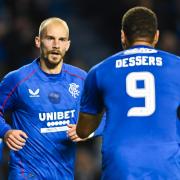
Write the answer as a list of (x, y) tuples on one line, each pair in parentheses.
[(4, 130)]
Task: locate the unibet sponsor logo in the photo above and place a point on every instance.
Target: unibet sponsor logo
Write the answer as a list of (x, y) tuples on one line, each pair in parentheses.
[(56, 121), (61, 115)]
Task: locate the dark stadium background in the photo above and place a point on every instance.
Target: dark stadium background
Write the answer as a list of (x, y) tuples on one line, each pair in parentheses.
[(94, 33)]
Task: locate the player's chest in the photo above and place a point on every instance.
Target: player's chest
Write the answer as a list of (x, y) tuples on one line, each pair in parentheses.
[(49, 95)]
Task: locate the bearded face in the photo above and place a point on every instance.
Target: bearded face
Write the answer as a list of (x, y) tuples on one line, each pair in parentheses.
[(53, 43)]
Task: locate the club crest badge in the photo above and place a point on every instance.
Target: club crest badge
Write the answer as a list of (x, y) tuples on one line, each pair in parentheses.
[(74, 90)]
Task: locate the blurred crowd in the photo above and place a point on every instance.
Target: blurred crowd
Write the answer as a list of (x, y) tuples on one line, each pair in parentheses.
[(94, 33)]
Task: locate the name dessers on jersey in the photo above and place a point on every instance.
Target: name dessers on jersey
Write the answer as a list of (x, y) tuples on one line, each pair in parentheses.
[(139, 60)]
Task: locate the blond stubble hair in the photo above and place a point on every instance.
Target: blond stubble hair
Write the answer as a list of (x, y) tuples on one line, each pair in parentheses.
[(52, 20)]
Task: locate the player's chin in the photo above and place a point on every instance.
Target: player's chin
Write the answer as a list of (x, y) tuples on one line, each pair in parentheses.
[(55, 60)]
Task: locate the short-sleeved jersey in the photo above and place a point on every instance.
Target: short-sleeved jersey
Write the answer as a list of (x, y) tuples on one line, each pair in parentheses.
[(140, 90), (42, 105)]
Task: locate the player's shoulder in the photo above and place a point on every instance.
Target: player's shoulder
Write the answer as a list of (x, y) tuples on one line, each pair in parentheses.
[(111, 60), (168, 55), (74, 71), (21, 72)]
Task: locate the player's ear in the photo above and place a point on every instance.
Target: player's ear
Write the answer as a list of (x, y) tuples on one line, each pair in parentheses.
[(124, 41), (123, 37), (156, 38), (68, 45), (37, 41)]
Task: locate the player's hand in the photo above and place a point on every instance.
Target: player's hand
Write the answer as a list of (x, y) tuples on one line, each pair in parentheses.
[(72, 133), (15, 139)]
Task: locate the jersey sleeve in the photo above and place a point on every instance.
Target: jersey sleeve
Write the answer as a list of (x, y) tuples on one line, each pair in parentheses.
[(7, 88), (91, 101)]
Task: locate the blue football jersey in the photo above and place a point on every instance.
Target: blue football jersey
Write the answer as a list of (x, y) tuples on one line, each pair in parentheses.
[(42, 105), (1, 151), (140, 90)]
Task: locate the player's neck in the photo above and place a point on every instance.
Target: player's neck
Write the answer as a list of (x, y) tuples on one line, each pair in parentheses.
[(142, 42), (50, 68)]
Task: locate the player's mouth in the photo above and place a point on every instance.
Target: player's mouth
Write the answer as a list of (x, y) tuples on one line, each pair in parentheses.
[(55, 53)]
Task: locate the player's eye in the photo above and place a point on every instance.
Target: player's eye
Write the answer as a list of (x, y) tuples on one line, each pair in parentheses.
[(63, 39), (49, 38)]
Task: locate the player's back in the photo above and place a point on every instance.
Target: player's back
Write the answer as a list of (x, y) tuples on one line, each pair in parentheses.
[(140, 88)]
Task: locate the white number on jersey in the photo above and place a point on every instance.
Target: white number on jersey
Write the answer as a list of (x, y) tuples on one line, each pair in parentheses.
[(147, 92)]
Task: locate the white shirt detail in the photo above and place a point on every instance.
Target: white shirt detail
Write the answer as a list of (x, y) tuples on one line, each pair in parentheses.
[(34, 93), (73, 89)]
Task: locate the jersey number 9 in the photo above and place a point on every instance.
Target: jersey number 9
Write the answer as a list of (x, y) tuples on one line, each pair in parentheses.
[(147, 92)]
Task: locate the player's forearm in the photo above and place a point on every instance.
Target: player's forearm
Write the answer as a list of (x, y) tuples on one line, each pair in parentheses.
[(87, 124), (73, 135)]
